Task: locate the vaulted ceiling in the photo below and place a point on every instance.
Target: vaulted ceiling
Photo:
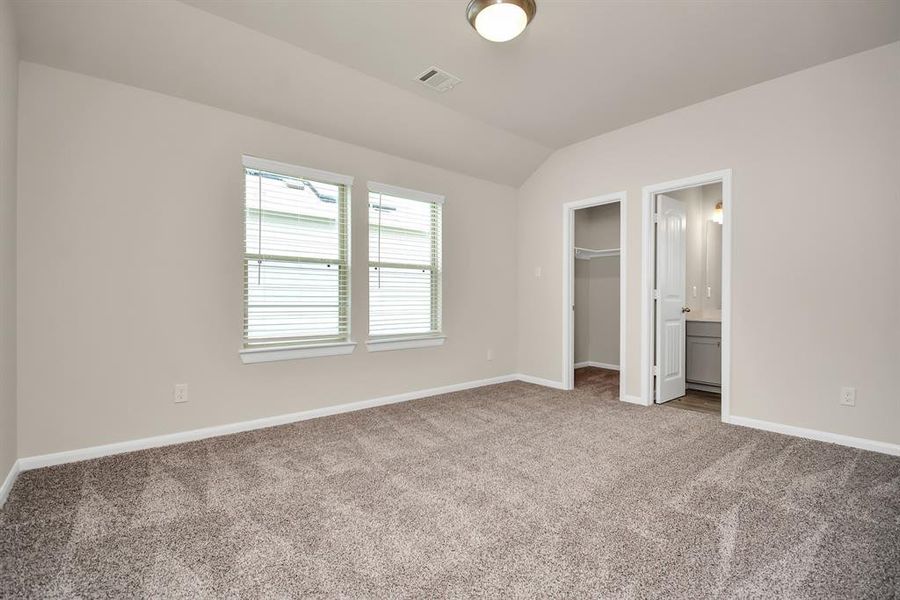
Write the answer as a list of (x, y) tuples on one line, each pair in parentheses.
[(346, 68)]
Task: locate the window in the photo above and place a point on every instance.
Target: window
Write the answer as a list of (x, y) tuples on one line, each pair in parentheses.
[(296, 262), (404, 268)]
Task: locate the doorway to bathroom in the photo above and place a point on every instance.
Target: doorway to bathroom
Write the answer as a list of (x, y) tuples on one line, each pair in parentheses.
[(686, 281)]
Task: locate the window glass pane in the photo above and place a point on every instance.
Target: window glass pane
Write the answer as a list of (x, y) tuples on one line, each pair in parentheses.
[(296, 285), (399, 230), (400, 301), (404, 266), (298, 218), (291, 299)]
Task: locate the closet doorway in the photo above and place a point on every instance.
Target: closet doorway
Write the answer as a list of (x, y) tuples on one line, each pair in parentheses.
[(594, 276)]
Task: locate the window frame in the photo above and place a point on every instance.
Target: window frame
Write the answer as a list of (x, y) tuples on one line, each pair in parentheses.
[(435, 337), (298, 347)]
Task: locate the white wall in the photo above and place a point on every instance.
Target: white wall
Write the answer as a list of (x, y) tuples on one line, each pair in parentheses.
[(131, 232), (816, 164), (9, 66), (597, 298), (130, 228)]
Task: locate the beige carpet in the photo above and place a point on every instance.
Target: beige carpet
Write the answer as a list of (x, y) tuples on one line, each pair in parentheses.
[(507, 491)]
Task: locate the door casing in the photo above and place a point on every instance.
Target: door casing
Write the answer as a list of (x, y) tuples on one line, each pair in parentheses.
[(648, 247)]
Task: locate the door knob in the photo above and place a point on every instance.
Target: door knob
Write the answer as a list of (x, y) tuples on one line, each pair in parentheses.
[(685, 309)]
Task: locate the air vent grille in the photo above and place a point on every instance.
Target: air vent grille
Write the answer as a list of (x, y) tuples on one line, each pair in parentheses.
[(437, 79)]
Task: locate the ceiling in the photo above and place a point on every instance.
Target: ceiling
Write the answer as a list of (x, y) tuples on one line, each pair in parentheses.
[(582, 68), (178, 50), (345, 68)]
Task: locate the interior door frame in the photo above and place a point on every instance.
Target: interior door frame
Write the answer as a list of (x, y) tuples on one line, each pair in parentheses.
[(568, 349), (648, 250)]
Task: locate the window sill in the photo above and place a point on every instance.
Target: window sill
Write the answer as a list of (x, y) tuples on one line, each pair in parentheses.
[(404, 343), (258, 355)]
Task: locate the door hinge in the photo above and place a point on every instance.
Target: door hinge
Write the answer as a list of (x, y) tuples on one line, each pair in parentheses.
[(655, 294), (656, 217), (654, 371)]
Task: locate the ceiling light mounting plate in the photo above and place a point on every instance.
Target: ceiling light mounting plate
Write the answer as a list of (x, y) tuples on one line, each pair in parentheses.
[(500, 20)]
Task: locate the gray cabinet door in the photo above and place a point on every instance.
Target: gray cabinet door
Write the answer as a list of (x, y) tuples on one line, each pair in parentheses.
[(703, 356)]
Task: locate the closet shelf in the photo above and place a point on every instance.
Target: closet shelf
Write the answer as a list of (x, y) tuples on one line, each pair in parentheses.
[(589, 253)]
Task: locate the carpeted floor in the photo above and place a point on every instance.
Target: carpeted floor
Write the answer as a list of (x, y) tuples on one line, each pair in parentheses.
[(512, 490)]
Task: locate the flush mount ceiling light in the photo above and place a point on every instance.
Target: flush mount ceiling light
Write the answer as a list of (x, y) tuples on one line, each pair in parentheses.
[(500, 20)]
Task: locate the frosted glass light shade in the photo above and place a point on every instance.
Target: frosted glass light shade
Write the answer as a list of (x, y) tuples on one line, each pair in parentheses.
[(500, 20)]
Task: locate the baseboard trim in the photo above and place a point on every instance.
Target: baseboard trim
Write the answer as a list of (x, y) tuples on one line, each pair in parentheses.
[(8, 482), (69, 456), (713, 389), (599, 365), (58, 458), (815, 434), (540, 381), (633, 400)]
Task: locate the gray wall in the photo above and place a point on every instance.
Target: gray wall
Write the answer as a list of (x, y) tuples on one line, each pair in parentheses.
[(130, 269), (9, 85), (816, 191), (597, 297), (604, 306)]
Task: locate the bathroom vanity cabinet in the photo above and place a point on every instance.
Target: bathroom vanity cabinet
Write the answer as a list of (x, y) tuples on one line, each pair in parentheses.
[(703, 355)]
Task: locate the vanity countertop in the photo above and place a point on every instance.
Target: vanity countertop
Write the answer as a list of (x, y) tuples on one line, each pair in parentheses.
[(703, 319)]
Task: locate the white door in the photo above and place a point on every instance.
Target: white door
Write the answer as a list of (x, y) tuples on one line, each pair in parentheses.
[(670, 303)]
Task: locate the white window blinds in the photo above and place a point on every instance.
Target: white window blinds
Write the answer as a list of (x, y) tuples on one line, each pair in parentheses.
[(404, 261), (296, 261)]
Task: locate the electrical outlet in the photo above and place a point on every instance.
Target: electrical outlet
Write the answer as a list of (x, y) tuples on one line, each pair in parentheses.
[(490, 354), (181, 393), (537, 272), (848, 396)]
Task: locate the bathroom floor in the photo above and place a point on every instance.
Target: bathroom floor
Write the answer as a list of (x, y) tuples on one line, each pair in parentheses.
[(607, 381), (698, 401)]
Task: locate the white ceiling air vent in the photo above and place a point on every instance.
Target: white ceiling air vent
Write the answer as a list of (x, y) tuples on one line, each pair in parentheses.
[(438, 79)]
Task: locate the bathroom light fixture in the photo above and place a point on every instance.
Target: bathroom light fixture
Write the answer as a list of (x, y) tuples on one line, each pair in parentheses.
[(717, 213), (500, 20)]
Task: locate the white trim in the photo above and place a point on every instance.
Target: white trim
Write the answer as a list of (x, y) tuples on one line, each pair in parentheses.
[(599, 365), (58, 458), (568, 297), (260, 355), (540, 381), (712, 389), (404, 343), (9, 481), (273, 166), (814, 434), (648, 248), (405, 193)]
